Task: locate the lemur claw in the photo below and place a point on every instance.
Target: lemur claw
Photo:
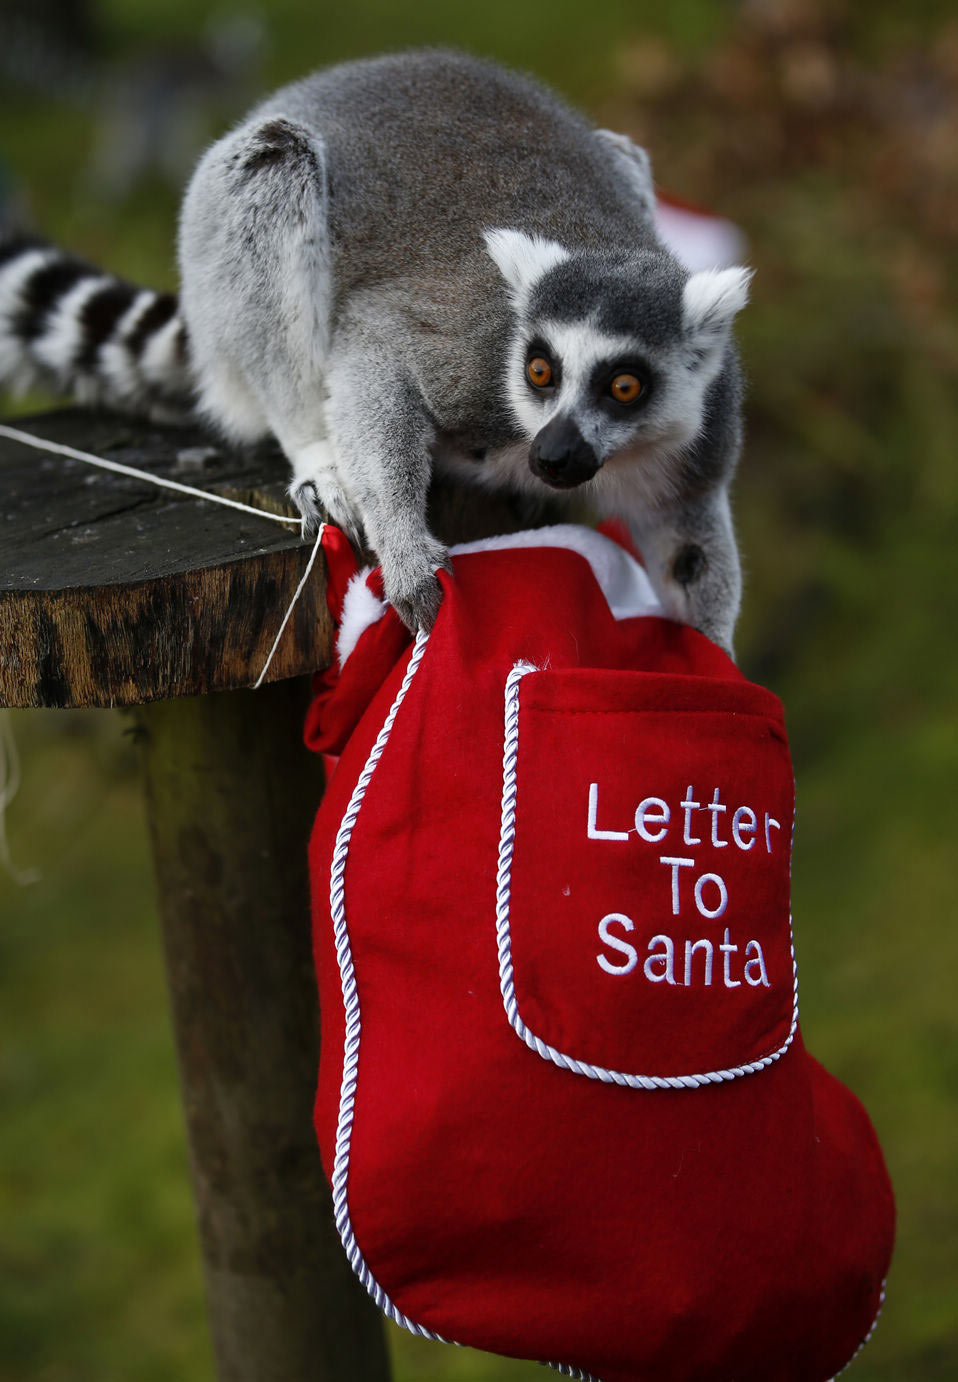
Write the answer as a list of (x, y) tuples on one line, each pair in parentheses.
[(305, 496), (417, 601)]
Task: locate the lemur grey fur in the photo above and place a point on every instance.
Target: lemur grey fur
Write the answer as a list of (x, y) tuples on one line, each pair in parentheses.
[(423, 261)]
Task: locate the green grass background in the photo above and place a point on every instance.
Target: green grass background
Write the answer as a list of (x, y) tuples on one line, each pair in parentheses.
[(828, 133)]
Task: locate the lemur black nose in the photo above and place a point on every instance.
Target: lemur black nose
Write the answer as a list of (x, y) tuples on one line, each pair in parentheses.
[(561, 456)]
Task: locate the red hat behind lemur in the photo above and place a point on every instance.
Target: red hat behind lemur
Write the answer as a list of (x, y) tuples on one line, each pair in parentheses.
[(564, 1103)]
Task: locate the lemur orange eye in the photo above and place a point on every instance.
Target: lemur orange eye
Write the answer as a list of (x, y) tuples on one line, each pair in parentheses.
[(539, 372), (625, 388)]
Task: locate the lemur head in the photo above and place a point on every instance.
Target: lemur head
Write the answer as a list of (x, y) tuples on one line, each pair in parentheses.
[(613, 353)]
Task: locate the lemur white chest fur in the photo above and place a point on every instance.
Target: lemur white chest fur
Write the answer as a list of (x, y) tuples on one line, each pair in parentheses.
[(419, 262)]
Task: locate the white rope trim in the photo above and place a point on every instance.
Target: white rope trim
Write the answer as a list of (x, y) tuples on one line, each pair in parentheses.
[(350, 1079), (347, 976), (57, 449), (867, 1338), (507, 835)]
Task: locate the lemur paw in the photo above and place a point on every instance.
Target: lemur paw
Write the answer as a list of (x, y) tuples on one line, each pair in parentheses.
[(305, 496), (705, 604), (316, 506), (412, 588)]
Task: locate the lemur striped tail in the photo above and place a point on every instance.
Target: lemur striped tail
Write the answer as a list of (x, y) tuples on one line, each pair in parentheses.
[(67, 326)]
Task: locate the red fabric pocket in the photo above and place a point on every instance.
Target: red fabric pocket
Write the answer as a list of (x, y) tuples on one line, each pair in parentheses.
[(643, 919)]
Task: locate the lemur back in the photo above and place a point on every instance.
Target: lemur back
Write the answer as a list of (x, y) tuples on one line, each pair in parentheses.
[(418, 261), (423, 148)]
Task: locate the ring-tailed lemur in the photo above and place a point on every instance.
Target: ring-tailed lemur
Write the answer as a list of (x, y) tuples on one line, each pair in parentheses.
[(423, 260)]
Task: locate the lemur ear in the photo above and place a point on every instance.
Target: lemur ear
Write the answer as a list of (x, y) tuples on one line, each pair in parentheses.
[(711, 299), (522, 259), (634, 167)]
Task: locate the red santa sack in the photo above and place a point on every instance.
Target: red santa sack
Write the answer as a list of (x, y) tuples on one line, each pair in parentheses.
[(564, 1104)]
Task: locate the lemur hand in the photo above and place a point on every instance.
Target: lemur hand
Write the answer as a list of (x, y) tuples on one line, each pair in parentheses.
[(411, 586)]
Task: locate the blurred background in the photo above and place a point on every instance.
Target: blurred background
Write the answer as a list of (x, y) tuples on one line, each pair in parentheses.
[(829, 133)]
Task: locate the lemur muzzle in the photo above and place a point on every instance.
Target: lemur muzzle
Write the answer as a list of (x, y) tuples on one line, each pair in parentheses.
[(561, 456)]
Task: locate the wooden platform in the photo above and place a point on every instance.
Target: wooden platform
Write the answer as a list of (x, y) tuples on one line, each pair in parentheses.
[(114, 592)]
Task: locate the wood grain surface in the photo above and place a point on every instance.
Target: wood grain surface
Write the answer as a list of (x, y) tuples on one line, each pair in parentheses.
[(115, 592)]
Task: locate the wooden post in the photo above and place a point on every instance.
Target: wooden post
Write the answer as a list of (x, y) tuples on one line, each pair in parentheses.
[(116, 593), (232, 795)]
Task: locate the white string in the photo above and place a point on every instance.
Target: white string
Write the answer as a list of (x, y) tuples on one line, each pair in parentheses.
[(9, 786), (292, 605), (57, 448), (41, 444)]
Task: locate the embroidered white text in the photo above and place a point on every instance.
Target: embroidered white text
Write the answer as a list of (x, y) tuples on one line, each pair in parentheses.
[(668, 963)]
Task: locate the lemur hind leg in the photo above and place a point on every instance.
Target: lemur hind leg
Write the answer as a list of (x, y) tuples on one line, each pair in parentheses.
[(382, 435), (257, 295), (692, 559)]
